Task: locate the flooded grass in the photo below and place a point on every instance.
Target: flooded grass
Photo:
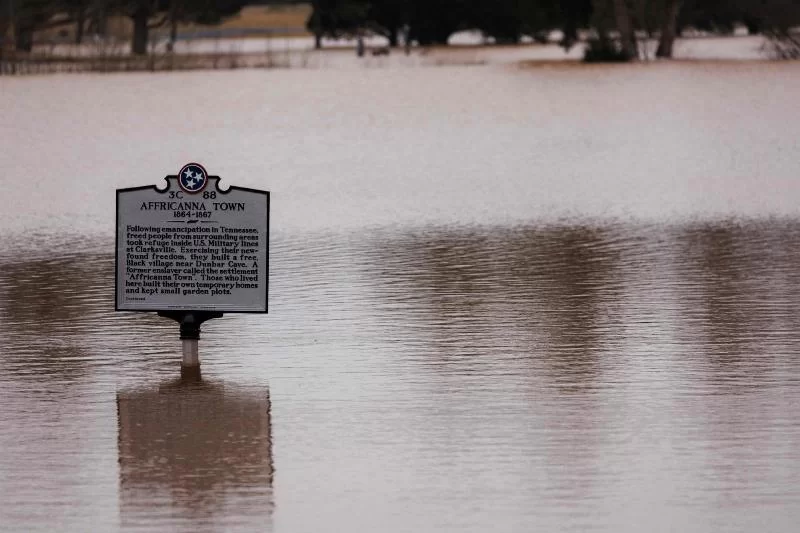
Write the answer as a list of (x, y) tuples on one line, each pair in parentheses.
[(560, 299)]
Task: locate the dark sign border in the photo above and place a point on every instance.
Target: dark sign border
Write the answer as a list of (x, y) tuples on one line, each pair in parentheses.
[(216, 179)]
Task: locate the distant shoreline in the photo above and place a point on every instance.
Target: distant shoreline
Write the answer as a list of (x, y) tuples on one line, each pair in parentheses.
[(298, 53)]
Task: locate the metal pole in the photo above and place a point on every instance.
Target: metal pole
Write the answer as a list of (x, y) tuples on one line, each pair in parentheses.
[(190, 322), (191, 357)]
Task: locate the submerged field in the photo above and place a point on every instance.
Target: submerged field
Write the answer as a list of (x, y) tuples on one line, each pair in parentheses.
[(561, 298)]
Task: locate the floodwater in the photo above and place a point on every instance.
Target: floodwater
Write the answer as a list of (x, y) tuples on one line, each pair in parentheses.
[(561, 298)]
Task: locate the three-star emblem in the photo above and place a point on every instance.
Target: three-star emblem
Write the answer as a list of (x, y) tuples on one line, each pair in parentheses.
[(192, 178)]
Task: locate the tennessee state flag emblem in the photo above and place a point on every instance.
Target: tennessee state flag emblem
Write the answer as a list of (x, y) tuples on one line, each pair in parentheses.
[(192, 178)]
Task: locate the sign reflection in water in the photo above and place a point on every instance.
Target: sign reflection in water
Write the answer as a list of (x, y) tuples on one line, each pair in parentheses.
[(189, 450)]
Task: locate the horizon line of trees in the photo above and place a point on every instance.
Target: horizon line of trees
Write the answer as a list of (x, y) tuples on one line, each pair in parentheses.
[(614, 24), (25, 17)]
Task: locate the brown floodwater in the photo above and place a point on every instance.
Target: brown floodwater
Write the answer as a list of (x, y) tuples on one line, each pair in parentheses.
[(508, 299)]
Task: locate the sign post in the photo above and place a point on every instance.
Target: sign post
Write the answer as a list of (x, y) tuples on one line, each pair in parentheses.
[(192, 251)]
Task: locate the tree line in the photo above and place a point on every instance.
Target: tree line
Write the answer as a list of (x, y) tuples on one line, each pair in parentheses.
[(25, 17), (615, 26)]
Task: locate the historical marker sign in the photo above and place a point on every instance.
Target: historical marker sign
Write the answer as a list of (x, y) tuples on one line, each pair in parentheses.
[(192, 246)]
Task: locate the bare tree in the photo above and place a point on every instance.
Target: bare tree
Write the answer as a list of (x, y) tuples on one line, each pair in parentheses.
[(140, 12), (632, 17), (5, 25), (779, 20), (6, 15), (669, 28), (624, 23), (608, 15)]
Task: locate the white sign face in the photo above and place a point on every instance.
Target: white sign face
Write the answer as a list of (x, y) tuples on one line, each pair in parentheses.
[(192, 246)]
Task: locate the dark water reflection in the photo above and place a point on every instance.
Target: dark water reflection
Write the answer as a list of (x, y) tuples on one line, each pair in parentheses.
[(642, 369), (46, 309), (727, 291), (566, 377)]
